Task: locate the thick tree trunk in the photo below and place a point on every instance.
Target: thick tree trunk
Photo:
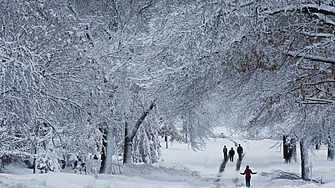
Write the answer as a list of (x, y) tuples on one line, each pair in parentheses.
[(127, 146), (127, 151), (304, 160), (130, 136), (294, 149), (109, 151)]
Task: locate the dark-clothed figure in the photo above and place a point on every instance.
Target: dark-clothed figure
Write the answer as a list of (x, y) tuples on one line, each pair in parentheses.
[(231, 154), (75, 164), (225, 152), (239, 151), (247, 172)]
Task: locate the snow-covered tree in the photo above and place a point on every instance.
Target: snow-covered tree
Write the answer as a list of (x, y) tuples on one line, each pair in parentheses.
[(95, 78), (45, 80), (290, 62)]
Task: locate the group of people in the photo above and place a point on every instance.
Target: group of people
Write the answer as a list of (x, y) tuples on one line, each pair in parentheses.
[(247, 172), (232, 153)]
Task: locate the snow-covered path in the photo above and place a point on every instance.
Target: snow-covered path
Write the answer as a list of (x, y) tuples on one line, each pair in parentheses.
[(183, 168), (264, 157)]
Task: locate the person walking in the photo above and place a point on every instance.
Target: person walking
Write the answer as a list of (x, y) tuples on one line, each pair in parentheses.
[(75, 164), (225, 152), (239, 151), (231, 154), (247, 172)]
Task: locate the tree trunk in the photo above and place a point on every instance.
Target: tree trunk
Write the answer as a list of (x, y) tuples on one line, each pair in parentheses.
[(130, 136), (304, 161), (107, 152), (34, 162), (284, 147), (104, 152), (294, 149), (317, 146), (185, 129), (331, 148), (166, 142), (331, 152), (127, 146)]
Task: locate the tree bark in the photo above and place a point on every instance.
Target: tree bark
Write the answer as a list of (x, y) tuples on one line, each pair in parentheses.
[(127, 146), (331, 148), (294, 149), (103, 153), (304, 161), (109, 151)]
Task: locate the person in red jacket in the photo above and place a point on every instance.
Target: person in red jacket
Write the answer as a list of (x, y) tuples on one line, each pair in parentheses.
[(247, 172)]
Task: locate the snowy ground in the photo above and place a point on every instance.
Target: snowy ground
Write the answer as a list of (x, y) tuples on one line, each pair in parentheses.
[(184, 168)]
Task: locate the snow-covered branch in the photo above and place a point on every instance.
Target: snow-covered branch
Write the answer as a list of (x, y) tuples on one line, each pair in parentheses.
[(316, 101), (325, 35), (326, 10), (141, 119), (313, 57)]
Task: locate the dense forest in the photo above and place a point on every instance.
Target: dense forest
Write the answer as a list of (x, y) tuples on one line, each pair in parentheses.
[(110, 77)]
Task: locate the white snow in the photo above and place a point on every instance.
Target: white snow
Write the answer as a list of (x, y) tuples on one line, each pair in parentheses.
[(184, 168)]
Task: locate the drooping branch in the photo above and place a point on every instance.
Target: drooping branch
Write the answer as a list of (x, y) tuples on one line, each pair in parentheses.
[(130, 136), (140, 120)]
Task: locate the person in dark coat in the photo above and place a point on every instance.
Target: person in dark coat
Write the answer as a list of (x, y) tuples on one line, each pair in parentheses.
[(231, 154), (239, 151), (225, 152), (75, 164), (247, 172)]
